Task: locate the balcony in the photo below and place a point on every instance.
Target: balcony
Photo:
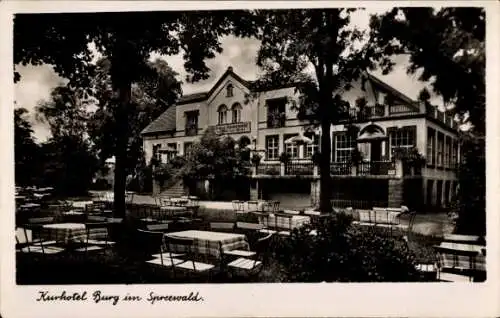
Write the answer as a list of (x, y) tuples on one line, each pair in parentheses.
[(307, 168), (233, 128), (276, 120), (191, 130)]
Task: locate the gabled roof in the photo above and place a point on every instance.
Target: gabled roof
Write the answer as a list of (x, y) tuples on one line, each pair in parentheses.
[(386, 87), (164, 123)]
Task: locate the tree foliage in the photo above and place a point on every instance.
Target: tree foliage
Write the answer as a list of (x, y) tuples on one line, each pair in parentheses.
[(447, 45), (152, 94), (293, 41), (342, 253), (214, 157), (65, 41), (26, 151)]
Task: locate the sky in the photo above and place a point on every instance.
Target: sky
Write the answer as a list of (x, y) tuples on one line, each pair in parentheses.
[(37, 82)]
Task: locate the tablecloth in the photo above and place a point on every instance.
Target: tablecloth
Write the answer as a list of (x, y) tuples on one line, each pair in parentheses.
[(272, 221), (70, 232), (208, 242)]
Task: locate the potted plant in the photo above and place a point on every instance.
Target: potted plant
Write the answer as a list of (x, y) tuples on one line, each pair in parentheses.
[(411, 159)]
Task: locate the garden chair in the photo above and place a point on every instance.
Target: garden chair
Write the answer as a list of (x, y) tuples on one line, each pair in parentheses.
[(95, 218), (364, 218), (222, 226), (152, 245), (187, 263), (274, 205), (250, 267), (253, 205), (264, 219), (26, 242), (95, 245), (238, 205)]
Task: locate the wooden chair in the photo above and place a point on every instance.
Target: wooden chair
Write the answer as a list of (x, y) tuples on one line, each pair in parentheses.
[(264, 219), (26, 244), (461, 258), (95, 245), (238, 205), (222, 226), (153, 246), (94, 218), (188, 262), (248, 266), (253, 205)]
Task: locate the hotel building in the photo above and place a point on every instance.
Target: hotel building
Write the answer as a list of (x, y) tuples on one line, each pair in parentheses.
[(389, 120)]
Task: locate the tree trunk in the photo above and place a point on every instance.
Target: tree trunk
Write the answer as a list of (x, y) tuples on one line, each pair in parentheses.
[(324, 168), (121, 150)]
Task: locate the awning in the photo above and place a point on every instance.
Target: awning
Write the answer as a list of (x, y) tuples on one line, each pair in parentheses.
[(371, 136), (299, 139)]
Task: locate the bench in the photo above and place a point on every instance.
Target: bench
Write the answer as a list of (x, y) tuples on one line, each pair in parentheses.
[(461, 258)]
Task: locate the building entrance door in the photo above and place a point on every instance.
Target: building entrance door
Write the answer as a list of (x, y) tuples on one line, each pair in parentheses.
[(375, 150)]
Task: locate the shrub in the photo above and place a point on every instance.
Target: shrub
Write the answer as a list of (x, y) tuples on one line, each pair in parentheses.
[(341, 253)]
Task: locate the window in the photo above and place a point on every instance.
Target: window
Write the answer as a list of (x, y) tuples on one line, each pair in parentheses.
[(187, 146), (310, 149), (236, 111), (191, 128), (440, 148), (291, 149), (172, 146), (272, 147), (447, 151), (276, 112), (229, 90), (431, 146), (454, 153), (344, 146), (222, 111), (402, 138)]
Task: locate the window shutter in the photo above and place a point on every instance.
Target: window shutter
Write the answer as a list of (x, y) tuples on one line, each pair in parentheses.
[(334, 138), (390, 130)]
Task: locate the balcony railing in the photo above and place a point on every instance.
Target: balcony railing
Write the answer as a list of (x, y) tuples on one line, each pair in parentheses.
[(375, 168), (272, 169), (299, 168), (340, 168), (402, 109), (233, 128), (307, 168)]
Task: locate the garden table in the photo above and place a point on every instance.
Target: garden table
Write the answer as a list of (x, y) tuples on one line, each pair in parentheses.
[(70, 232), (209, 243), (178, 201), (80, 204), (174, 210), (280, 222)]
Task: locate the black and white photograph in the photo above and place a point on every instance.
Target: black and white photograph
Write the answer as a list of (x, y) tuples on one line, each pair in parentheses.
[(249, 145)]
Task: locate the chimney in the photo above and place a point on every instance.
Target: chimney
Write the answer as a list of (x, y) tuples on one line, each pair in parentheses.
[(230, 68)]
